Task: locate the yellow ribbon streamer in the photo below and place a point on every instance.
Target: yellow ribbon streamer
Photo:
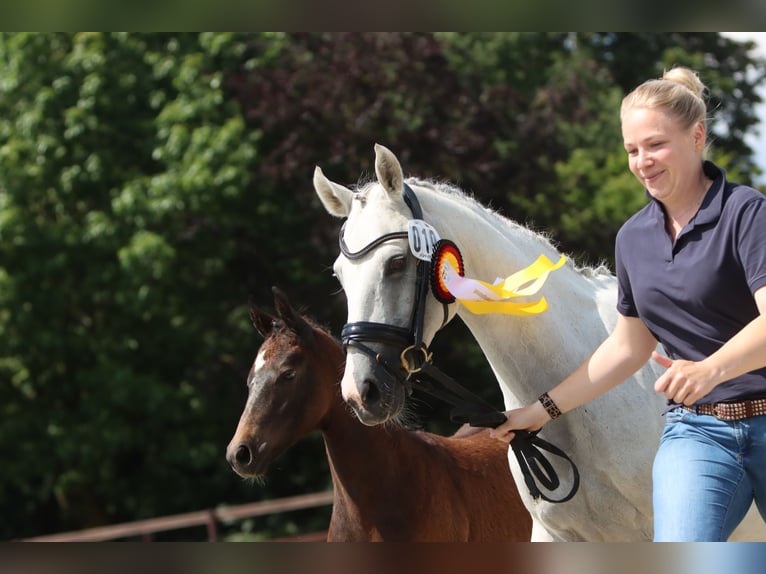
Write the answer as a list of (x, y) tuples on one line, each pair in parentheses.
[(480, 297)]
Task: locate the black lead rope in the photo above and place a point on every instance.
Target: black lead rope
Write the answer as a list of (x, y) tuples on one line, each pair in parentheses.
[(526, 445), (467, 407)]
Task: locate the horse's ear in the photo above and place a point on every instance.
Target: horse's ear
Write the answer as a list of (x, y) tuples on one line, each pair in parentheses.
[(289, 316), (262, 321), (389, 170), (335, 198)]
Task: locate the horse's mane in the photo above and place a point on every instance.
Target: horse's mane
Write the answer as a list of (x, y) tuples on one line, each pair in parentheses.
[(446, 188)]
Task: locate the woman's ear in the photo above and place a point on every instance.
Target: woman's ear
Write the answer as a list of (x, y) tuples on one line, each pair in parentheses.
[(700, 136)]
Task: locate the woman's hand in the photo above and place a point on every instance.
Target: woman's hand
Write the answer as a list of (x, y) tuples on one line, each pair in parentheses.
[(684, 382), (531, 418)]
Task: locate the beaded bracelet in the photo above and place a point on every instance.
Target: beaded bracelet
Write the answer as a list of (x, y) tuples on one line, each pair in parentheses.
[(550, 407)]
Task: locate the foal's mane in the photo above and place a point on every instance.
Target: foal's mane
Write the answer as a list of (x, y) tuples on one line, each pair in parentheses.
[(316, 329)]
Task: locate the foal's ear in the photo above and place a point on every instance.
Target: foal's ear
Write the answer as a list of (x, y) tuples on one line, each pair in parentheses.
[(262, 321), (389, 170), (289, 316), (335, 198)]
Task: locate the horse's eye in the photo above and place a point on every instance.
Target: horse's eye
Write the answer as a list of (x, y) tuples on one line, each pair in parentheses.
[(288, 375), (396, 265)]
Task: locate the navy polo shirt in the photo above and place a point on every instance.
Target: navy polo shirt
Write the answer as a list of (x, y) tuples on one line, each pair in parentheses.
[(696, 293)]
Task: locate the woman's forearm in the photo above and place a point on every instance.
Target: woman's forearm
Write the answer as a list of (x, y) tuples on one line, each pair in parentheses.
[(614, 361)]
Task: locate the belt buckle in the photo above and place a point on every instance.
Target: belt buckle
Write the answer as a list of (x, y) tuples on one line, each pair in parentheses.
[(715, 411)]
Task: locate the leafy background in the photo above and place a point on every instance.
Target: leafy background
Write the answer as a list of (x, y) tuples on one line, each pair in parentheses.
[(150, 183)]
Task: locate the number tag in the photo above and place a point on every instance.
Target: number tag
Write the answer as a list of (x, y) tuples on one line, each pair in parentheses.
[(422, 238)]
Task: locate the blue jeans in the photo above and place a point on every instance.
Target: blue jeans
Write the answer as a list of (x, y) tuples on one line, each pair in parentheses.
[(706, 474)]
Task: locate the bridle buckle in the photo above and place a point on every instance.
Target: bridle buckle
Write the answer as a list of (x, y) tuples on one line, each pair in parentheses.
[(408, 365)]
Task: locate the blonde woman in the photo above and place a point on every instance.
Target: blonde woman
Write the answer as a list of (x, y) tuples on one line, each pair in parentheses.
[(691, 270)]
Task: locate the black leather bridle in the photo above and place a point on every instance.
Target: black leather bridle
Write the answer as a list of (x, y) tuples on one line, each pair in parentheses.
[(358, 333), (467, 407)]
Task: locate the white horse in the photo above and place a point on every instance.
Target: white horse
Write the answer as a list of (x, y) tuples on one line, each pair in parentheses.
[(611, 439)]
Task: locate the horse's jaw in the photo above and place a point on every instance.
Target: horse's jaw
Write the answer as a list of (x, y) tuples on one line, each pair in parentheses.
[(367, 417), (372, 416)]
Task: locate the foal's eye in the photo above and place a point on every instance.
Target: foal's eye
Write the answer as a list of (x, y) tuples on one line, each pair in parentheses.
[(288, 375), (396, 265)]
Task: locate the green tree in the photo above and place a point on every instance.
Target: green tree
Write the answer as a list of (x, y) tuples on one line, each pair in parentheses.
[(123, 170)]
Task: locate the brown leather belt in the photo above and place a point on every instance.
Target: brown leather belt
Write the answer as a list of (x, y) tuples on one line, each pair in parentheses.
[(732, 411)]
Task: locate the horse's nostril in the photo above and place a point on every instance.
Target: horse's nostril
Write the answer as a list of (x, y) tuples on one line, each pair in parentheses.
[(369, 393), (243, 455)]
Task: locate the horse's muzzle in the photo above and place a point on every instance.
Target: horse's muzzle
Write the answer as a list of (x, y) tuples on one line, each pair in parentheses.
[(241, 457)]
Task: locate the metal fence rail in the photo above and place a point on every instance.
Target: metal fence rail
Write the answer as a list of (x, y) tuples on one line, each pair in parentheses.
[(209, 518)]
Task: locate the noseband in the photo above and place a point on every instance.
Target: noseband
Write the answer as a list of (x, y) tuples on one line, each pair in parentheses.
[(358, 333)]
